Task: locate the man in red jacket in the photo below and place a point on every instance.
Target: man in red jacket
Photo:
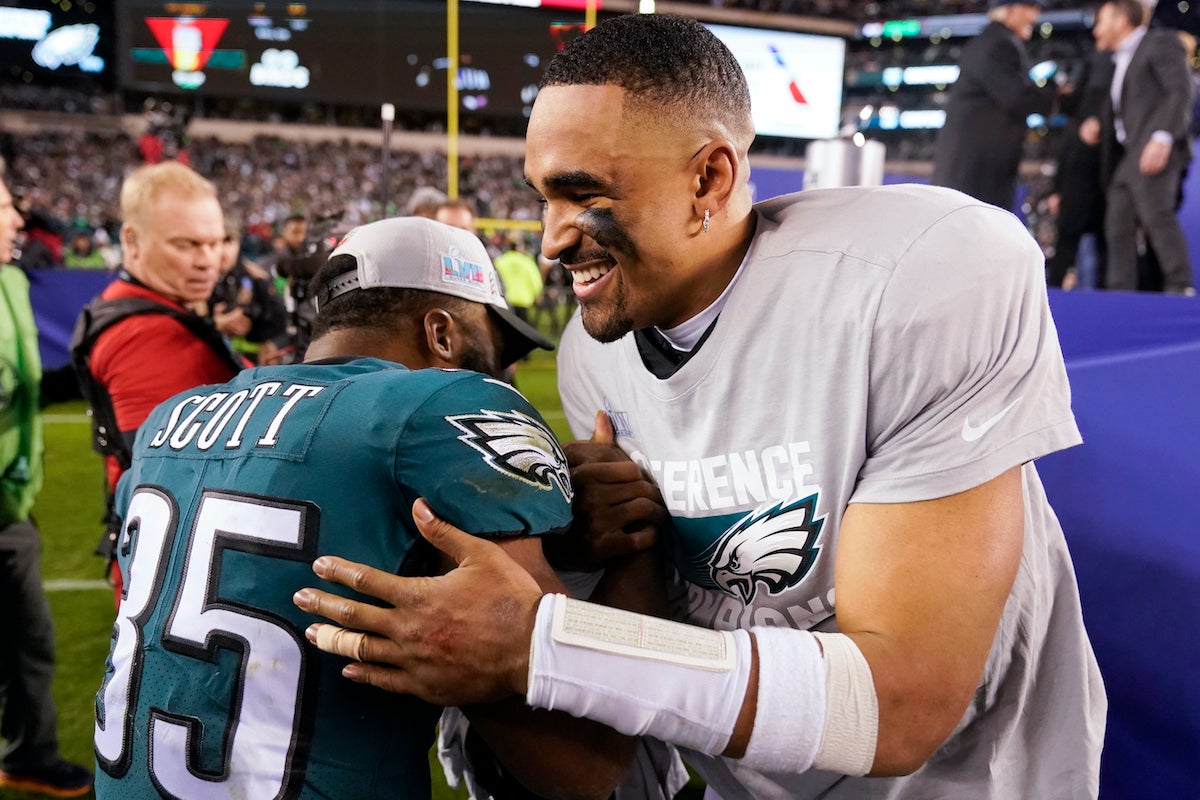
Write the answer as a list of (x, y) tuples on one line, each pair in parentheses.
[(171, 239)]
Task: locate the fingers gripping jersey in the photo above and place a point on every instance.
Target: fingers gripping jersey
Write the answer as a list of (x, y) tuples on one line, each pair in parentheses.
[(211, 690)]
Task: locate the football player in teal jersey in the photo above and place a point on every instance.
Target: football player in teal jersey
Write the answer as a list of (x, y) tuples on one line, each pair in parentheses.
[(211, 689)]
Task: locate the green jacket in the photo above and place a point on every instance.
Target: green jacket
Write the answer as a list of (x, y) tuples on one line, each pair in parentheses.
[(93, 260), (21, 445), (521, 278)]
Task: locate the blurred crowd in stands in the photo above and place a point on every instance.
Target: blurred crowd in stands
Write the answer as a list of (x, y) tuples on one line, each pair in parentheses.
[(67, 184), (285, 202)]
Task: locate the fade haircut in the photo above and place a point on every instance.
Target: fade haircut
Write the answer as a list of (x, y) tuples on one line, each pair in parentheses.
[(146, 185), (661, 61), (384, 309)]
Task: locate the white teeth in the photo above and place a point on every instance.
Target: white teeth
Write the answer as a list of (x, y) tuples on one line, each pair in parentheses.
[(589, 274)]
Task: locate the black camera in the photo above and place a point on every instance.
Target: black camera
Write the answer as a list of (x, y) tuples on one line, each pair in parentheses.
[(235, 289), (299, 268)]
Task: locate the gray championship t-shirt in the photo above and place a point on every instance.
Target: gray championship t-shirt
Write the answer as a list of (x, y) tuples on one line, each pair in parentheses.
[(912, 363)]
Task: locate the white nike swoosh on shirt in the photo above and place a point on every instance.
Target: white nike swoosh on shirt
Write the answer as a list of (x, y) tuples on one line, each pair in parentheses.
[(971, 433)]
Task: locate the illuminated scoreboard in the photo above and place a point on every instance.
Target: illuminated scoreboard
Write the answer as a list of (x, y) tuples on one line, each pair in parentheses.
[(342, 51), (44, 42)]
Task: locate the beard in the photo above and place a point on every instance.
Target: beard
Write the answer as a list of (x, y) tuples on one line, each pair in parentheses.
[(607, 321), (477, 358)]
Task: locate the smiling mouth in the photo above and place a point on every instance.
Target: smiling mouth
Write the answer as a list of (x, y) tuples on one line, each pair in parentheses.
[(586, 275)]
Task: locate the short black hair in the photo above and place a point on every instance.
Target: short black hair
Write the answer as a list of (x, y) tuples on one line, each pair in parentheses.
[(661, 60), (382, 309)]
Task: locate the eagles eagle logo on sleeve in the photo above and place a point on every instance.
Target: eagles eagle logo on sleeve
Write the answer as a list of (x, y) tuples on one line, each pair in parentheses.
[(773, 547), (517, 445)]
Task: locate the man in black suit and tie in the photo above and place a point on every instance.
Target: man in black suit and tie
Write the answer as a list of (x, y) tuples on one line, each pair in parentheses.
[(979, 148), (1144, 127)]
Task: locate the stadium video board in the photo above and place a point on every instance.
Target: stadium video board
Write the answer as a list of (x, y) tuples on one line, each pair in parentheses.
[(341, 51), (51, 43), (795, 79)]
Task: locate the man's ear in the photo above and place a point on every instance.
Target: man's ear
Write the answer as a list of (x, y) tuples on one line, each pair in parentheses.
[(442, 338), (129, 238), (716, 176)]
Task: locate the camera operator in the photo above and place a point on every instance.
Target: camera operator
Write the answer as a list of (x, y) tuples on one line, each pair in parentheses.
[(286, 245), (304, 249), (245, 305)]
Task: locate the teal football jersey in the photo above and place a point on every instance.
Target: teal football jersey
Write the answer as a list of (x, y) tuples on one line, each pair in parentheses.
[(211, 690)]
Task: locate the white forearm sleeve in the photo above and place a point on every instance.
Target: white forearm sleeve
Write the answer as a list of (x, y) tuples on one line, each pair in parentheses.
[(637, 674), (685, 685)]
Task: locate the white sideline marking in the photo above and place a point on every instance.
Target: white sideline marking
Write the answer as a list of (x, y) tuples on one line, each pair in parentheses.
[(68, 585)]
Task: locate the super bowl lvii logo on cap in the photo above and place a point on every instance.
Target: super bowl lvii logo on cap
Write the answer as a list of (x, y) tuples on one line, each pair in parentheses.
[(455, 269)]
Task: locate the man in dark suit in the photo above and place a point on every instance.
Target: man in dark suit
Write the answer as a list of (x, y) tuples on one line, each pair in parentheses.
[(1144, 128), (1077, 201), (979, 149)]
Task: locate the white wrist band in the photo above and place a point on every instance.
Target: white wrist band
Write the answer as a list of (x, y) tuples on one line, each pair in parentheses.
[(637, 674), (812, 710), (790, 715), (852, 722)]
